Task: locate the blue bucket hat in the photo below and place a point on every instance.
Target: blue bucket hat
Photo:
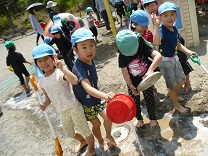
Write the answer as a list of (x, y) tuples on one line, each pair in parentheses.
[(167, 6), (127, 42), (149, 1), (140, 17), (80, 35), (40, 51), (55, 29), (47, 39)]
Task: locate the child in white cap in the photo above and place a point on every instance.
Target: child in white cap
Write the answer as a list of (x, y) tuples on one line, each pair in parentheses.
[(166, 37), (86, 91), (56, 87), (135, 65)]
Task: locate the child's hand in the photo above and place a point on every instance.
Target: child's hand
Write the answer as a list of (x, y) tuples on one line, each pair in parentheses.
[(134, 90), (149, 72), (109, 96), (57, 63), (193, 53), (156, 20), (42, 107)]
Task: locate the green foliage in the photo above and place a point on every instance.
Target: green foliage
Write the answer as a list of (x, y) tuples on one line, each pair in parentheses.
[(20, 16)]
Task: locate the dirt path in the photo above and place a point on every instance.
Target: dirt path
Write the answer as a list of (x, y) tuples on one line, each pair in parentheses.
[(24, 130)]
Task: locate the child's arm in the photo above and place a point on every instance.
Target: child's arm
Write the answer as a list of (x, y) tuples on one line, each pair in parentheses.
[(155, 63), (68, 75), (156, 35), (27, 62), (128, 80), (186, 50), (46, 102), (94, 92)]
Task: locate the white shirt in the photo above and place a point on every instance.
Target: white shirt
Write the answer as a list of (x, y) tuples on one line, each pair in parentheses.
[(58, 90)]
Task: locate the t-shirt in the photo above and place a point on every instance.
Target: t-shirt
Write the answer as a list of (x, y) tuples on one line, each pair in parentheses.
[(16, 59), (64, 44), (90, 24), (85, 71), (138, 64), (148, 35), (58, 90), (169, 41)]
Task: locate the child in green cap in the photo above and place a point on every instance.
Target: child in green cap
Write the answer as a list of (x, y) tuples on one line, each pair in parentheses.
[(16, 60)]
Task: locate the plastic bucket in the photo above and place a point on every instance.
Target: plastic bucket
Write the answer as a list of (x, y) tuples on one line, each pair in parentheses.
[(121, 108), (97, 23)]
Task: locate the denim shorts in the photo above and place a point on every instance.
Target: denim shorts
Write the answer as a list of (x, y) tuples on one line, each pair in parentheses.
[(172, 71), (91, 112)]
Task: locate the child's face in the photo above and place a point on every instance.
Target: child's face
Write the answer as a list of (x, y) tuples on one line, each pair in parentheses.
[(90, 13), (140, 29), (152, 8), (45, 63), (86, 50), (168, 18), (57, 35)]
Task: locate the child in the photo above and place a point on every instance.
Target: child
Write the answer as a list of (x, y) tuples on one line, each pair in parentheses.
[(166, 37), (151, 7), (91, 19), (55, 86), (135, 65), (86, 91), (64, 45), (119, 5), (36, 25), (16, 60)]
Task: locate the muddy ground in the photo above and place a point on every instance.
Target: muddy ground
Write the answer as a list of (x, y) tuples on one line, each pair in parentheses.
[(24, 130)]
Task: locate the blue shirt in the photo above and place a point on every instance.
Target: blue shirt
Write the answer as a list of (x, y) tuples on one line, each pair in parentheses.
[(85, 71), (169, 41)]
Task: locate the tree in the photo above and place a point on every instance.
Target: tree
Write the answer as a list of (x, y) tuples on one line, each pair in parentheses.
[(4, 7)]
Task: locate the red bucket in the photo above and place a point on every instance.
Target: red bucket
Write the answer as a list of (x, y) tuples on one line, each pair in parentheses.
[(97, 23), (121, 108)]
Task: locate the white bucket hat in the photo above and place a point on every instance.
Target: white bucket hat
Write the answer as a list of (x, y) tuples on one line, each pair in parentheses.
[(51, 4)]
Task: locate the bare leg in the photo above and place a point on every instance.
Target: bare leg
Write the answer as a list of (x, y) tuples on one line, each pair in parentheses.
[(90, 149), (178, 87), (108, 126), (27, 79), (78, 136), (173, 97), (25, 87), (187, 86), (96, 130), (153, 123)]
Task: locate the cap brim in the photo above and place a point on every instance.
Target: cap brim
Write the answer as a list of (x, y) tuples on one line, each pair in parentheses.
[(167, 10), (84, 39)]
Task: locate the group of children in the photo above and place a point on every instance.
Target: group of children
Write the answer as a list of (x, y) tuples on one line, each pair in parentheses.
[(135, 52)]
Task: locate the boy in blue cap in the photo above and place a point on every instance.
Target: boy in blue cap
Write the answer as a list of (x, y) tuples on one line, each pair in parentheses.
[(135, 65), (86, 91), (56, 87), (166, 37), (16, 60)]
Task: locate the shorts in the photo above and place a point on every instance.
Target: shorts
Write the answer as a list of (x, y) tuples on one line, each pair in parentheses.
[(187, 68), (75, 117), (91, 112), (172, 71)]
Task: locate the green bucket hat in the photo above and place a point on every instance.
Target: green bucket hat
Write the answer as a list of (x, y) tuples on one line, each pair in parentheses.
[(127, 42), (9, 44)]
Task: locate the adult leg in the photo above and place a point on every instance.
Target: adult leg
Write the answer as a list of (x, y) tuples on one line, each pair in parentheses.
[(150, 101), (42, 37), (105, 18), (37, 38)]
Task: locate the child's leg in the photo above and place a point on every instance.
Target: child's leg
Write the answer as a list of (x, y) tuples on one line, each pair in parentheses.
[(139, 117), (78, 136), (96, 130), (108, 127), (150, 101), (173, 97), (27, 79)]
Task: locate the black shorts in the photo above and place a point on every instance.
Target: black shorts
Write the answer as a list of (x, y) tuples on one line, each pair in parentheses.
[(94, 31), (186, 67), (21, 78)]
